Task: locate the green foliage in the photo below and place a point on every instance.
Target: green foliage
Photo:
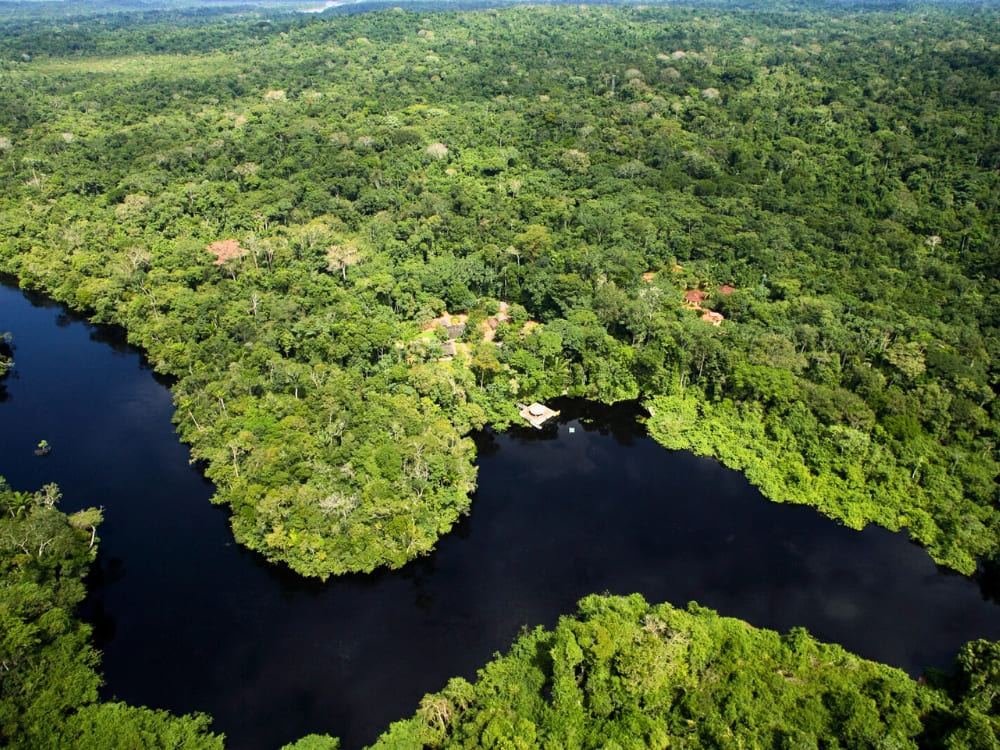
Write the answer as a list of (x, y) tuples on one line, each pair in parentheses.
[(314, 742), (624, 673), (366, 172), (45, 652), (48, 682), (106, 726), (847, 473), (588, 166)]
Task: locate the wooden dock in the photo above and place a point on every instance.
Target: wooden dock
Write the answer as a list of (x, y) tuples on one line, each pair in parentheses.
[(537, 414)]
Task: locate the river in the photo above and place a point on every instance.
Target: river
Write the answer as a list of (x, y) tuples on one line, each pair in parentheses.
[(190, 621)]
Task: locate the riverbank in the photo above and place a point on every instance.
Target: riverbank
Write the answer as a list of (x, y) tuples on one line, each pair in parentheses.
[(557, 516)]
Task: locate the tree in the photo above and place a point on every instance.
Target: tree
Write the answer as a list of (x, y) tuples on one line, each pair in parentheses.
[(485, 363)]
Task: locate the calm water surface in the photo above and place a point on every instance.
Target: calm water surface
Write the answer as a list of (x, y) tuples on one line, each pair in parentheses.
[(189, 621)]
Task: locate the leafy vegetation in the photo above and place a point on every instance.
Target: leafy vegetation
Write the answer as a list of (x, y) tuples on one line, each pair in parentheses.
[(278, 210), (48, 677), (282, 211), (625, 674), (619, 673)]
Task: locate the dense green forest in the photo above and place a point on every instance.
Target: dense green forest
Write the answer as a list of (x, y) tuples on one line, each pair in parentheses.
[(621, 673), (278, 209), (351, 240), (285, 212)]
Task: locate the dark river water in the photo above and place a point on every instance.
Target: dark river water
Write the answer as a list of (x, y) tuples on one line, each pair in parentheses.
[(189, 621)]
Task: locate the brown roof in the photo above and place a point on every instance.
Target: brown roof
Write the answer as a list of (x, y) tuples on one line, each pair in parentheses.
[(713, 317), (726, 289), (226, 249), (695, 296)]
